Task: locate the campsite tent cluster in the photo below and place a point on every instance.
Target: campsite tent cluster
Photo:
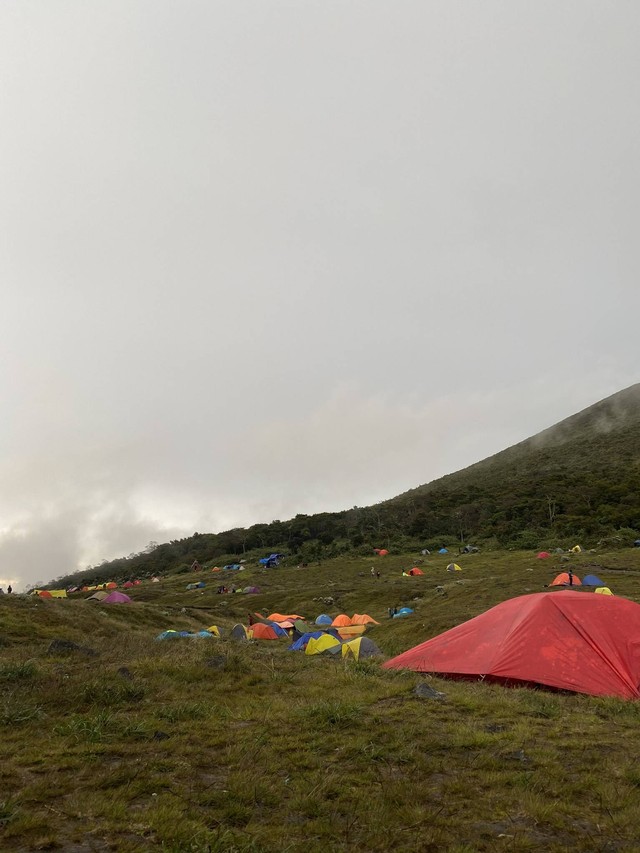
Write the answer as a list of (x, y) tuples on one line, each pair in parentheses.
[(340, 635), (566, 579)]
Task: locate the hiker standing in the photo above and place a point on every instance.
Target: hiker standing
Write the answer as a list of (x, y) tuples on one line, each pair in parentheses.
[(9, 590), (373, 572), (570, 578)]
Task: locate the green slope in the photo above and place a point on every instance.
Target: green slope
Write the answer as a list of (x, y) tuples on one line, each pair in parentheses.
[(210, 745), (578, 479)]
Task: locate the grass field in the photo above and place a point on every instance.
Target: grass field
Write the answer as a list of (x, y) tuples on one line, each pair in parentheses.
[(211, 745)]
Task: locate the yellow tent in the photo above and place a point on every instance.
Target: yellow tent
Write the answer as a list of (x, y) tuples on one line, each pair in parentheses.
[(213, 629), (576, 549), (603, 590), (98, 596), (50, 593), (316, 646), (453, 567), (361, 647), (352, 630)]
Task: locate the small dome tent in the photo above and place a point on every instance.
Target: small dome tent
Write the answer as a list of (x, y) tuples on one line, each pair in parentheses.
[(360, 648), (563, 579), (239, 632)]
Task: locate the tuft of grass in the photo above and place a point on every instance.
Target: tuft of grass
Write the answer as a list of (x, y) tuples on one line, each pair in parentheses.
[(180, 711), (92, 728), (22, 671), (110, 694), (333, 713), (16, 713), (8, 811)]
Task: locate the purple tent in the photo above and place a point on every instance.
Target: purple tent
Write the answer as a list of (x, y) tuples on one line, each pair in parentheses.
[(116, 598)]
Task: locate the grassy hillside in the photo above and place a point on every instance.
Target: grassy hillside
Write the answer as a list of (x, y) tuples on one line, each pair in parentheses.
[(581, 477), (210, 745), (578, 479)]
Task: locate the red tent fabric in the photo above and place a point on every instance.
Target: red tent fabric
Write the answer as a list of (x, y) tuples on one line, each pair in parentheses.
[(415, 571), (543, 555), (568, 640)]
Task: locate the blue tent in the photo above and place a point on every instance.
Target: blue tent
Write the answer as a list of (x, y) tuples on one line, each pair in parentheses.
[(301, 642), (271, 561), (280, 631), (592, 580), (404, 611), (170, 635), (443, 551), (323, 619), (232, 567), (636, 544)]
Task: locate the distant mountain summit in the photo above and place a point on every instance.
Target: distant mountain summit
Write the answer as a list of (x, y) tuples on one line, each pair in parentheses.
[(579, 479)]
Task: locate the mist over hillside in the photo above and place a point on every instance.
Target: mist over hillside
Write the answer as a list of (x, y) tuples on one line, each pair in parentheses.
[(578, 478)]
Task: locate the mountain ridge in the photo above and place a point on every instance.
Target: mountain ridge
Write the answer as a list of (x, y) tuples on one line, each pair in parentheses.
[(579, 478)]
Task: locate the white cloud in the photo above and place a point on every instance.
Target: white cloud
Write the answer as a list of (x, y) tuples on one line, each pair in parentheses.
[(262, 258)]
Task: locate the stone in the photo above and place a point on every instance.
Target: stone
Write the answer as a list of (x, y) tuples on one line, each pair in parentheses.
[(425, 691), (65, 647)]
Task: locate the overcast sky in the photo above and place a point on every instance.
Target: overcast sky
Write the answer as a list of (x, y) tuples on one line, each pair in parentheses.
[(261, 258)]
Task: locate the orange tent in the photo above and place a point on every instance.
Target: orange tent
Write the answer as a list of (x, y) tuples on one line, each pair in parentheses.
[(563, 580), (363, 619), (44, 593), (415, 571), (383, 552), (112, 585), (280, 617), (341, 620), (263, 632)]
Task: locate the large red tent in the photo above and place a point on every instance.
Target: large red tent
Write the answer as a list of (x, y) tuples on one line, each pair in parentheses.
[(567, 640)]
